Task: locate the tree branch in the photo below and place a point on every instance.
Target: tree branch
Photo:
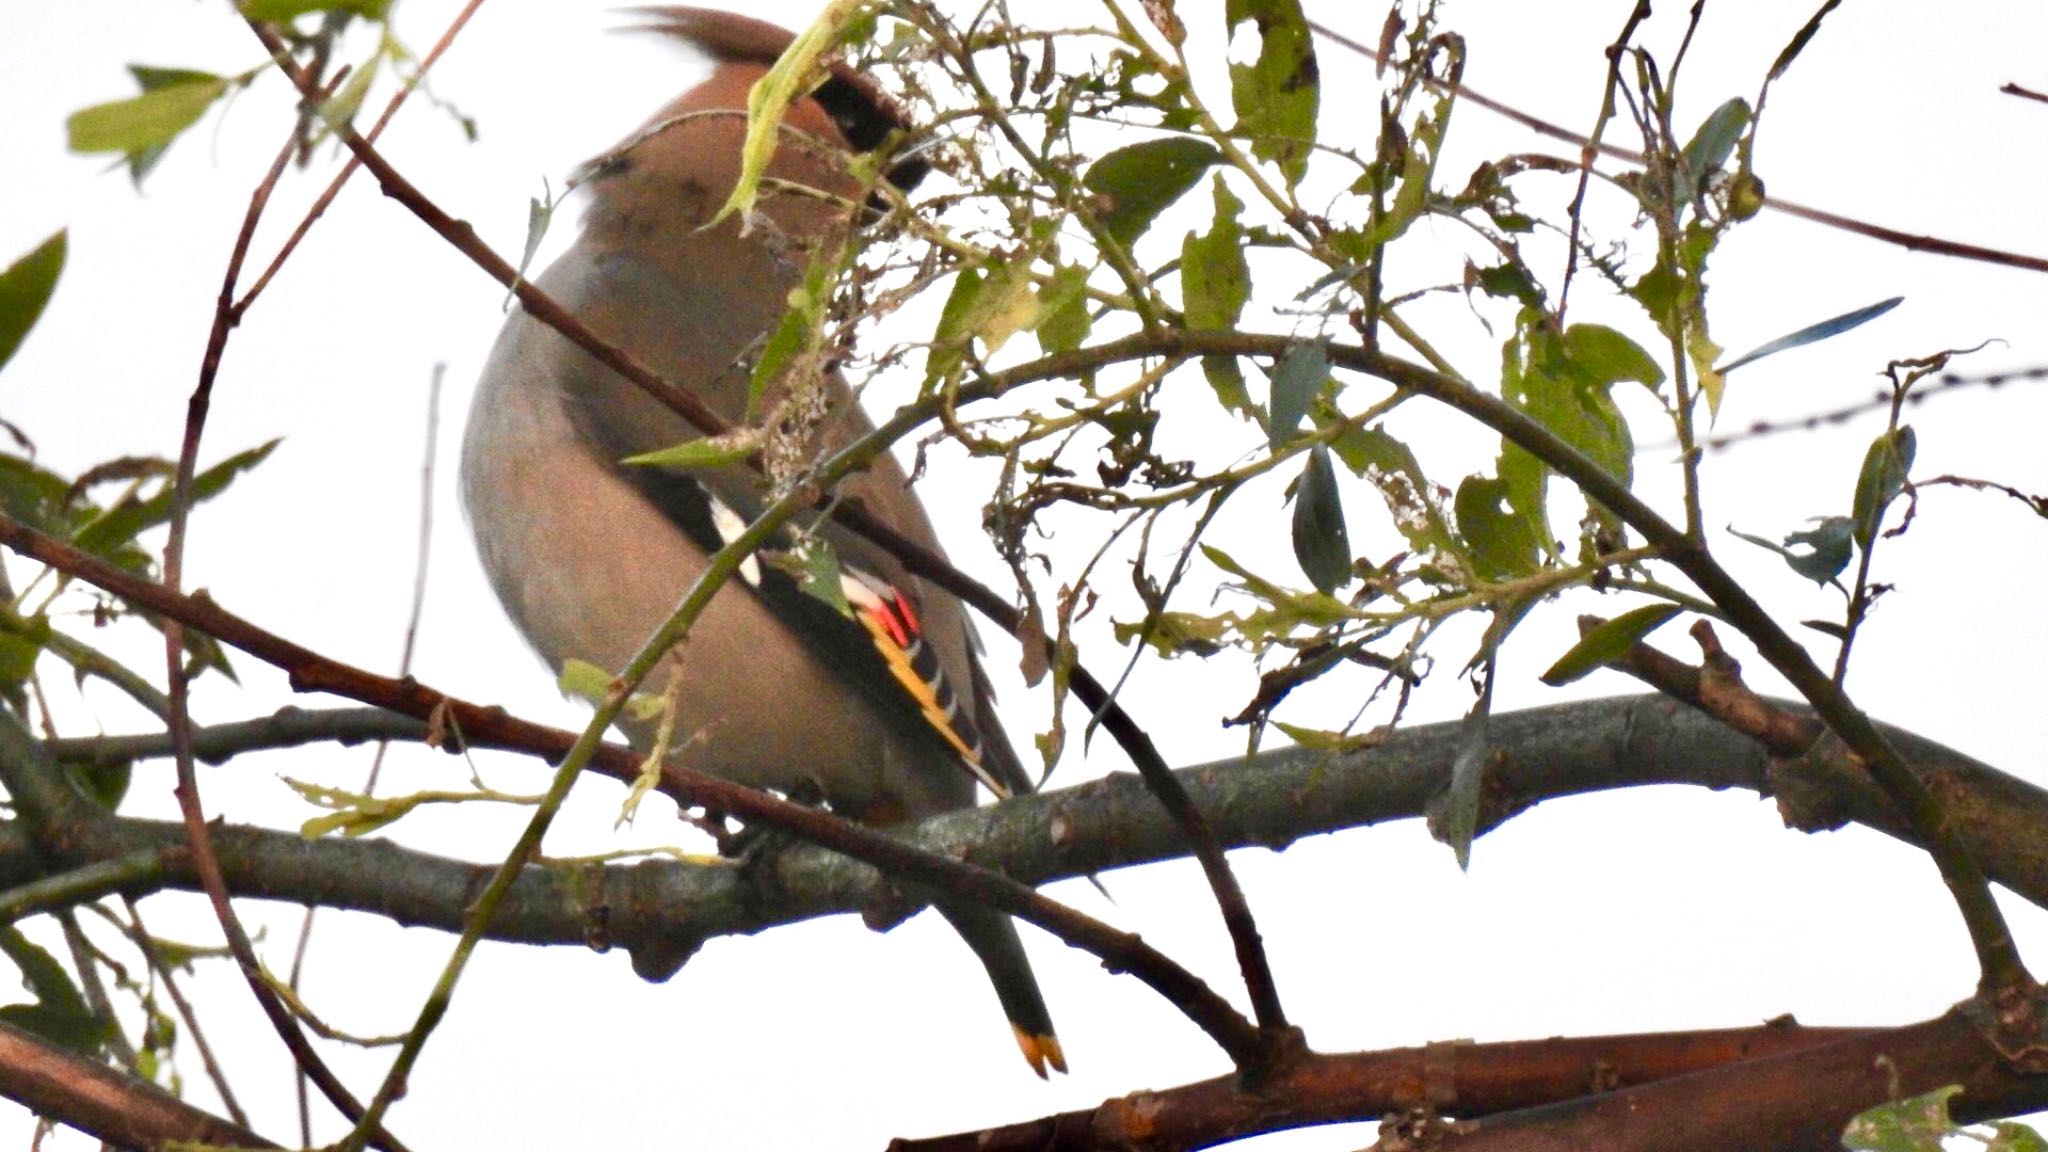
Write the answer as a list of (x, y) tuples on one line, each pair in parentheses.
[(100, 1101), (660, 909)]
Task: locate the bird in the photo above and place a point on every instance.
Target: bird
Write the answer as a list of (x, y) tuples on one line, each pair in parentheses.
[(878, 706)]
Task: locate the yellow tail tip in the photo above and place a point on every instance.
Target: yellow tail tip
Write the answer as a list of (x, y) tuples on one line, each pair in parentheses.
[(1041, 1051)]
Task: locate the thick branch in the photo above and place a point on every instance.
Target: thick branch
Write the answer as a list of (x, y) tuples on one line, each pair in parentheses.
[(1457, 1079), (111, 1105), (1792, 1102), (663, 908)]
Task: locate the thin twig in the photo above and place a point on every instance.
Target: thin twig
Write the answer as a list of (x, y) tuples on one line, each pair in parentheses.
[(152, 957), (1590, 146), (422, 551), (187, 791), (1930, 244), (348, 169)]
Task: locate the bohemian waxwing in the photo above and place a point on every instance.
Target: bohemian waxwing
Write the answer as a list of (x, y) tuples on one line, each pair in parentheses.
[(886, 714)]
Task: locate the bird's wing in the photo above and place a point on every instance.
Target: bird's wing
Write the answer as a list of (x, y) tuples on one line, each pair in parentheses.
[(865, 628)]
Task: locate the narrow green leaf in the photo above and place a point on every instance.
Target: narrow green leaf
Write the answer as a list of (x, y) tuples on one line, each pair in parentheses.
[(125, 521), (150, 120), (1297, 379), (1885, 468), (1276, 96), (1607, 643), (1141, 180), (1322, 740), (1711, 145), (540, 212), (591, 684), (25, 288), (339, 109), (786, 82), (1813, 333), (1321, 545), (284, 11), (1454, 813), (721, 451), (1800, 38)]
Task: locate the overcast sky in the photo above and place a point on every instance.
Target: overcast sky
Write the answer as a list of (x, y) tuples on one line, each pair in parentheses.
[(1674, 909)]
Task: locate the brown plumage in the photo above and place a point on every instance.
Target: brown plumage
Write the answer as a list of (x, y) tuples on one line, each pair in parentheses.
[(880, 713)]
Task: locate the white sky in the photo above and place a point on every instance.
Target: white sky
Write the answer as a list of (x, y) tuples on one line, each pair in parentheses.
[(1652, 911)]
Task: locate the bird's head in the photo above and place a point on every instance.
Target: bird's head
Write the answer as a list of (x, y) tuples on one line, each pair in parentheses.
[(681, 165)]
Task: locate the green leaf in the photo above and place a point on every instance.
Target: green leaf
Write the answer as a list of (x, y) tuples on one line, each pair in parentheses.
[(1710, 146), (1916, 1124), (341, 108), (1322, 740), (790, 79), (2007, 1136), (284, 11), (1390, 466), (25, 288), (795, 334), (1313, 609), (949, 340), (1813, 333), (1006, 305), (1502, 541), (149, 121), (816, 568), (1297, 379), (1418, 169), (722, 451), (1141, 180), (1608, 642), (1565, 382), (104, 784), (1799, 39), (1454, 813), (592, 684), (1601, 356), (1063, 321), (1321, 545), (540, 213), (1215, 280), (1276, 95), (21, 643), (1172, 633), (60, 1013), (124, 521), (1885, 468), (1828, 548)]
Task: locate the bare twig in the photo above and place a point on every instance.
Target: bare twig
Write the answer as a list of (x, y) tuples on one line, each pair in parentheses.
[(187, 791)]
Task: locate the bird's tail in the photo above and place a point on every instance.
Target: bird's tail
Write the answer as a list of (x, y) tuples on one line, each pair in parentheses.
[(993, 936)]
